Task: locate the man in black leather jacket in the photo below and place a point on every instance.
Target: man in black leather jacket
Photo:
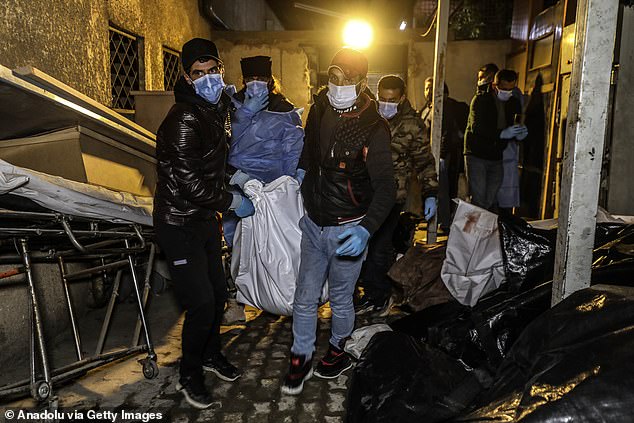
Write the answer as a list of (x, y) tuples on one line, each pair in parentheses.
[(191, 149)]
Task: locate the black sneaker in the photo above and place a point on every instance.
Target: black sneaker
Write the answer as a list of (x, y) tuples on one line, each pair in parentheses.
[(220, 366), (195, 392), (300, 370), (335, 362)]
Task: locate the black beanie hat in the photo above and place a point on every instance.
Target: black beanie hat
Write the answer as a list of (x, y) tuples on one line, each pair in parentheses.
[(256, 66), (198, 48)]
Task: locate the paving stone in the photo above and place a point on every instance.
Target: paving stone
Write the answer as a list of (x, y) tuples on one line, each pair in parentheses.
[(287, 402), (339, 383), (260, 348), (335, 402), (262, 407), (233, 418), (269, 383)]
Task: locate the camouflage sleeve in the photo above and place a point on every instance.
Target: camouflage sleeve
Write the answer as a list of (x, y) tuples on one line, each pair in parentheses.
[(422, 160)]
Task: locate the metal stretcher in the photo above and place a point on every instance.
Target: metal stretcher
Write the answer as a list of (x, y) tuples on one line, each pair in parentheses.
[(42, 236)]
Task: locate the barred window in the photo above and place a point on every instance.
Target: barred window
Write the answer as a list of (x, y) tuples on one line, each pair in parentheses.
[(171, 68), (125, 69)]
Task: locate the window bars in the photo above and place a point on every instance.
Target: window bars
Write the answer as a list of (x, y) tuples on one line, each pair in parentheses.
[(171, 68), (124, 69)]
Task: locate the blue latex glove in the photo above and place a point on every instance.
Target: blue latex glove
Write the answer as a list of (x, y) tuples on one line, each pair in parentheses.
[(358, 238), (299, 175), (256, 103), (523, 133), (430, 207), (239, 179), (511, 132), (245, 209)]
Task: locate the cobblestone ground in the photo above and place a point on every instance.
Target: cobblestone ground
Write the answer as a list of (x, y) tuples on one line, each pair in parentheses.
[(261, 350), (260, 347)]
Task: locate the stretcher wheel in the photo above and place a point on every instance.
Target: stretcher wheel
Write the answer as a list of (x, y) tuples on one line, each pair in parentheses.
[(42, 390), (150, 369)]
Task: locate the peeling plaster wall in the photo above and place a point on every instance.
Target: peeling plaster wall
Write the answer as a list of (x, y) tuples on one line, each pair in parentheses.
[(289, 66), (69, 39)]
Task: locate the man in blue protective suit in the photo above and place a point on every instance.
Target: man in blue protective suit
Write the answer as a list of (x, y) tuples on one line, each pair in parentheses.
[(348, 191), (191, 150), (267, 135)]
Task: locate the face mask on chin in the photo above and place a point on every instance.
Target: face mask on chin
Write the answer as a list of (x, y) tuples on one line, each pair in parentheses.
[(256, 88), (342, 96), (504, 95), (388, 110), (210, 87)]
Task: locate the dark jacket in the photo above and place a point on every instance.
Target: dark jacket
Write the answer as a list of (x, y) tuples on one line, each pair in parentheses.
[(349, 175), (191, 150), (482, 137), (411, 153)]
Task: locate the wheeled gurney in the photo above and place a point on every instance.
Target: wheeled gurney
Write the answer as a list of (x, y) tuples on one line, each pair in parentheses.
[(107, 231)]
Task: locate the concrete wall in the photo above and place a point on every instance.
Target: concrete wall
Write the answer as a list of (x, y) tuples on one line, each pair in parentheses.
[(289, 66), (299, 56), (247, 15), (621, 183), (464, 58), (69, 39)]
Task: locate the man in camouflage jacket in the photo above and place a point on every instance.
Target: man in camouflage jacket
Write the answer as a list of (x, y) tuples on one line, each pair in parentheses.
[(411, 155)]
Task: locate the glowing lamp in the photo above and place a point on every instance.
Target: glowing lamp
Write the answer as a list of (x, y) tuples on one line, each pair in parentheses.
[(357, 34)]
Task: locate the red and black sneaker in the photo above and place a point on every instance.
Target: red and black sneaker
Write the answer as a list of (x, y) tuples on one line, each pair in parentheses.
[(300, 370), (335, 362)]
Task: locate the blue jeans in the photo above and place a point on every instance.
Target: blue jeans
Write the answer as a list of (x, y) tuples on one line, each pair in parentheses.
[(320, 263), (485, 179)]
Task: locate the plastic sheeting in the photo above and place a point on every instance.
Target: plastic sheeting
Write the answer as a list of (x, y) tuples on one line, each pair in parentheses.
[(416, 278), (473, 266), (509, 193), (528, 253), (572, 364), (75, 198), (399, 379), (265, 262), (266, 145), (360, 338), (534, 357), (480, 336)]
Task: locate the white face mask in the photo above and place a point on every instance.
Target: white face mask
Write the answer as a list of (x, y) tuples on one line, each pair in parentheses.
[(388, 110), (210, 87), (342, 96), (504, 95), (256, 88)]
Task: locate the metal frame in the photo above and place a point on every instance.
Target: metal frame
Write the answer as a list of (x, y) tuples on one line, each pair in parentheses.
[(442, 25), (116, 246), (595, 33), (171, 68)]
